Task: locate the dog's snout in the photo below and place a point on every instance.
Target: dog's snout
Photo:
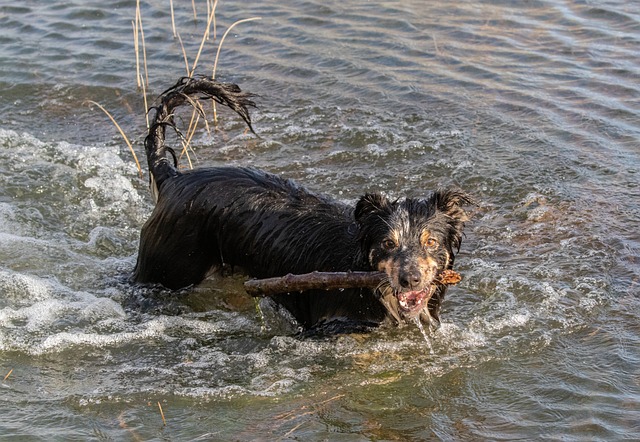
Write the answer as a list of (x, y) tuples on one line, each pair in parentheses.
[(410, 279)]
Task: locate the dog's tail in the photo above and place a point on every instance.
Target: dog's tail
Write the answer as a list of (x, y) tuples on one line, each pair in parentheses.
[(186, 90)]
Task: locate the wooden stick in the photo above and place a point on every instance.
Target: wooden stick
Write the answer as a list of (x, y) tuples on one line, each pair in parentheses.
[(329, 281)]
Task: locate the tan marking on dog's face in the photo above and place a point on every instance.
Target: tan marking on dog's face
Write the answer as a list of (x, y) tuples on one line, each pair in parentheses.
[(392, 268), (386, 266), (447, 258), (428, 268), (427, 240)]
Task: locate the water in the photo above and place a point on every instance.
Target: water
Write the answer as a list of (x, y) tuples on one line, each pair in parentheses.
[(427, 339), (532, 107)]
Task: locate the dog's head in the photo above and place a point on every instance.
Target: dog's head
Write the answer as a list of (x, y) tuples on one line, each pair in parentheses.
[(412, 241)]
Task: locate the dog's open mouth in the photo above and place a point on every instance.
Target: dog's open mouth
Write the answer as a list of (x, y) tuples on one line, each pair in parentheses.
[(411, 303)]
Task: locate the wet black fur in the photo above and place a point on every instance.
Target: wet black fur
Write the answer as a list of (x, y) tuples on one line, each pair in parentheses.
[(271, 226)]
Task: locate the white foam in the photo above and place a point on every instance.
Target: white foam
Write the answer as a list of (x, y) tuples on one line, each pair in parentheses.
[(22, 289), (63, 340), (512, 320), (38, 313), (108, 179), (7, 215), (114, 188)]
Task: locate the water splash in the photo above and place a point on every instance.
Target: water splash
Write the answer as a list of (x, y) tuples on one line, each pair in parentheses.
[(424, 333)]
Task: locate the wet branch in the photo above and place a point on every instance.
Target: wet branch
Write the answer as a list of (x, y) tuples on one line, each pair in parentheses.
[(329, 281)]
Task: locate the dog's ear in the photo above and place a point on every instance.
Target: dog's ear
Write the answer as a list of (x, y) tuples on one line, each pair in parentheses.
[(450, 202), (371, 203)]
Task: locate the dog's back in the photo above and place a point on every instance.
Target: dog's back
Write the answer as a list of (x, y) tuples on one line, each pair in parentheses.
[(241, 217), (260, 223)]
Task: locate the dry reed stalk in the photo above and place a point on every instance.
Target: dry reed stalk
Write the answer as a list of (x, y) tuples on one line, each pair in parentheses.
[(193, 125), (201, 110), (198, 111), (184, 54), (207, 29), (173, 19), (164, 422), (143, 82), (215, 63), (136, 49), (204, 39), (296, 414), (123, 424), (290, 432), (211, 7), (136, 43), (124, 136), (300, 413), (439, 51), (214, 4), (146, 105), (144, 47)]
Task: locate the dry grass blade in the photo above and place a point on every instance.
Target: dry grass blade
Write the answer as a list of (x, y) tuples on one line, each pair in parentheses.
[(186, 143), (134, 24), (290, 432), (143, 83), (200, 109), (124, 136), (184, 54), (8, 374), (146, 106), (164, 422), (298, 413), (173, 19), (204, 39), (215, 63), (144, 49), (211, 7)]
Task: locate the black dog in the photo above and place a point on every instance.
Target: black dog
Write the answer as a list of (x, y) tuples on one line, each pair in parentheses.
[(271, 226)]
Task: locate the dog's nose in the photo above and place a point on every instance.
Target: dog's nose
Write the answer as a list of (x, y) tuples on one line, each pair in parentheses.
[(410, 279)]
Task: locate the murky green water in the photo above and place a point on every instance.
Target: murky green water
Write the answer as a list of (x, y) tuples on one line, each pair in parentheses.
[(532, 107)]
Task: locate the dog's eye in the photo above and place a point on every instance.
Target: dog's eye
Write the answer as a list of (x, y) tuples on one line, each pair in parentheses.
[(388, 244), (431, 243)]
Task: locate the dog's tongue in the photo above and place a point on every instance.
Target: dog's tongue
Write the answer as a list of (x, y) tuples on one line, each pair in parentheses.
[(411, 302)]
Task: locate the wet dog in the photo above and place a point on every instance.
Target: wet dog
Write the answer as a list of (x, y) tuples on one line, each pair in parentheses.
[(271, 226)]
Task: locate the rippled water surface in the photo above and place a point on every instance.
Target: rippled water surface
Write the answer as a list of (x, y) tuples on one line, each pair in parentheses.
[(532, 107)]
